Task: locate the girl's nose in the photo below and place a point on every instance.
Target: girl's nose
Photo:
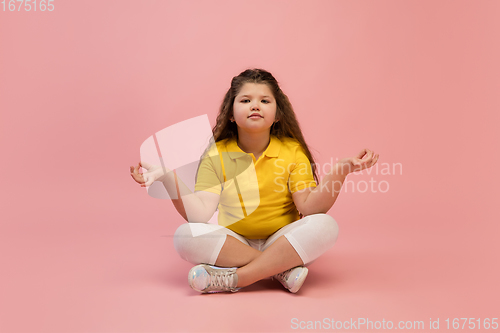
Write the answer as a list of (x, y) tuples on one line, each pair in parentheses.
[(255, 106)]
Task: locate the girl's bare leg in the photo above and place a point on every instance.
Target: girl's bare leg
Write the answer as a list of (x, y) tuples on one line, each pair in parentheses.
[(255, 265), (235, 254), (277, 258)]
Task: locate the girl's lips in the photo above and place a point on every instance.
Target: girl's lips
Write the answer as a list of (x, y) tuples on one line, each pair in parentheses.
[(255, 115)]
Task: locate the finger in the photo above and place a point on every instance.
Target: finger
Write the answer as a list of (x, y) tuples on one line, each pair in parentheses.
[(368, 155), (135, 179), (139, 174), (148, 180), (367, 162), (361, 153), (138, 180), (144, 165), (136, 172)]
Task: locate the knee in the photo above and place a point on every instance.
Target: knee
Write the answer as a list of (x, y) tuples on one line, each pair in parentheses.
[(181, 237), (196, 242), (327, 225)]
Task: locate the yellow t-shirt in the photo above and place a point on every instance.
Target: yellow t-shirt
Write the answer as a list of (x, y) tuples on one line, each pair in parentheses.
[(255, 195)]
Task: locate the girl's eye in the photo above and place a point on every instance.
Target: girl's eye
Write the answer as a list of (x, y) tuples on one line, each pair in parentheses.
[(247, 100)]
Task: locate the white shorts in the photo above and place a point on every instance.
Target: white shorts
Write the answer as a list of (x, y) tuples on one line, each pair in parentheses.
[(310, 236)]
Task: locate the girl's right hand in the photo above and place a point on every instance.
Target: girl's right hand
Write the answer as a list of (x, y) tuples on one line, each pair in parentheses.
[(365, 159), (154, 173)]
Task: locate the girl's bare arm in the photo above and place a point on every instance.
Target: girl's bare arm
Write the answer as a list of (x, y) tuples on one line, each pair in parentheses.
[(321, 198)]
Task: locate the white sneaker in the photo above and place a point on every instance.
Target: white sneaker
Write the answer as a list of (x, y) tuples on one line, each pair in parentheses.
[(212, 279), (293, 278)]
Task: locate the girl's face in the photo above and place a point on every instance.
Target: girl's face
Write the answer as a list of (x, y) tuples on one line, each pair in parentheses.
[(254, 108)]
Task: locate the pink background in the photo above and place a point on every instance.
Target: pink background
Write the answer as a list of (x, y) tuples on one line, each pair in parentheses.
[(85, 249)]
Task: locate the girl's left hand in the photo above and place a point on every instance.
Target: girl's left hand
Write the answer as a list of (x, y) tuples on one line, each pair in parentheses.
[(364, 160), (153, 173)]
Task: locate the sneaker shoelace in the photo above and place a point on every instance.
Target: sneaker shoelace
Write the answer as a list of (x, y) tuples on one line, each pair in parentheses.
[(283, 275), (222, 280)]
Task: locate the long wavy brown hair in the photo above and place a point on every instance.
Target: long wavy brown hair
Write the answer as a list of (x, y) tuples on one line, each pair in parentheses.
[(287, 126)]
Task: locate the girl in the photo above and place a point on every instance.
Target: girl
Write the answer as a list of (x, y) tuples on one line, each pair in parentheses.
[(261, 176)]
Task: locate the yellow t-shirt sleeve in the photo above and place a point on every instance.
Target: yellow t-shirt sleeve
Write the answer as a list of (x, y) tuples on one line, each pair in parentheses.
[(301, 175), (209, 176)]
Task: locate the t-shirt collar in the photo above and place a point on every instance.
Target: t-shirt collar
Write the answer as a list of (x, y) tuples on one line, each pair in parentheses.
[(272, 149)]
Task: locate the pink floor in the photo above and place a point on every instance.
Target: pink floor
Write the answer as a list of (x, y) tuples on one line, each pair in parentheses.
[(102, 266)]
